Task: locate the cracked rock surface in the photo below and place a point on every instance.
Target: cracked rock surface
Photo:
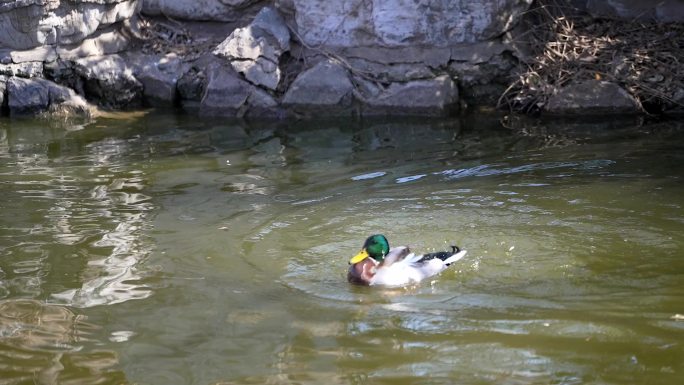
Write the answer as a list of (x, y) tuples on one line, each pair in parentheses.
[(255, 50)]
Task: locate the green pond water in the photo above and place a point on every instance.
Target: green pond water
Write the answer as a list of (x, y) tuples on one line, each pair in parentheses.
[(161, 249)]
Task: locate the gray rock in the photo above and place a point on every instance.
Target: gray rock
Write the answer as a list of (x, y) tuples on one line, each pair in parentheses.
[(325, 84), (269, 24), (5, 56), (402, 64), (663, 11), (478, 53), (261, 99), (399, 72), (201, 10), (109, 80), (62, 72), (101, 43), (435, 96), (192, 84), (33, 96), (678, 96), (28, 24), (26, 96), (228, 95), (262, 104), (482, 78), (65, 102), (426, 55), (365, 89), (159, 76), (24, 70), (225, 93), (670, 11), (38, 54), (261, 72), (591, 96), (392, 23), (256, 49)]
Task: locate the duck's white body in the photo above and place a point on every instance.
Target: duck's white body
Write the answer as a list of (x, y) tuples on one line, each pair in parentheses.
[(401, 268)]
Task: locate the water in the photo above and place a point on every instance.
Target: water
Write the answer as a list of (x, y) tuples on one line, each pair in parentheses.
[(162, 249)]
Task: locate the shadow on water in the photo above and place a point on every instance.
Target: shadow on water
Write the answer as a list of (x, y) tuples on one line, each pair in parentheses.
[(214, 252)]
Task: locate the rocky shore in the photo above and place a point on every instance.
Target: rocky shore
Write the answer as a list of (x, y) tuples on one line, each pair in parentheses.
[(299, 58)]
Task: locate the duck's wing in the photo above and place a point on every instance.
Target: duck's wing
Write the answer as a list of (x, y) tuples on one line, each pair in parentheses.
[(400, 273), (434, 263), (414, 268), (445, 256), (395, 255), (455, 257)]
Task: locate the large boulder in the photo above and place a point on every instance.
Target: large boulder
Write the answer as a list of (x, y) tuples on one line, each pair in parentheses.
[(27, 96), (109, 81), (255, 50), (201, 10), (159, 75), (33, 96), (438, 96), (392, 23), (327, 84), (591, 97), (228, 95), (28, 24)]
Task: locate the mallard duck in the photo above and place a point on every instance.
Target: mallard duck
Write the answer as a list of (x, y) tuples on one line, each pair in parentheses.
[(377, 264)]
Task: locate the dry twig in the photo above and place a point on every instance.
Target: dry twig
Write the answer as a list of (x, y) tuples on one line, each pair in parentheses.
[(569, 47)]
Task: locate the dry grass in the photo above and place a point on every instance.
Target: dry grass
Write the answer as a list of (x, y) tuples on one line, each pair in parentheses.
[(170, 36), (566, 46)]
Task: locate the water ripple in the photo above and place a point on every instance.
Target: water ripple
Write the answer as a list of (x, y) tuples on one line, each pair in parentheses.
[(44, 344), (94, 210), (370, 175), (495, 169)]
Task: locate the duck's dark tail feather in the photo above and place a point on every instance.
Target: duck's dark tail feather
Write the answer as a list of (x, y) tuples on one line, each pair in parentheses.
[(455, 257), (443, 255)]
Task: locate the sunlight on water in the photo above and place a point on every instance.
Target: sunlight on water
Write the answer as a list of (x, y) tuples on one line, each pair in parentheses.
[(90, 210), (40, 343), (162, 249)]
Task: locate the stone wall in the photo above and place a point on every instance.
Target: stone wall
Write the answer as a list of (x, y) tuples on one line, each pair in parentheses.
[(401, 23), (36, 34), (27, 24), (277, 58), (202, 10)]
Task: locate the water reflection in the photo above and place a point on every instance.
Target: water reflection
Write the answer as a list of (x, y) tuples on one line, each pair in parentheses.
[(95, 216), (42, 344)]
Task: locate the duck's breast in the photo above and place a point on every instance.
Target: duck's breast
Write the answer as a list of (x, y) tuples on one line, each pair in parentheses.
[(397, 274)]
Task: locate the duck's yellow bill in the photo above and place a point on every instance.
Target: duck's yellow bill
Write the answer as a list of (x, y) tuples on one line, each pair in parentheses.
[(363, 254)]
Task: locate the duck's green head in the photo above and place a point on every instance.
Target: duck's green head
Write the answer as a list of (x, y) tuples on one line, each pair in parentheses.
[(376, 247)]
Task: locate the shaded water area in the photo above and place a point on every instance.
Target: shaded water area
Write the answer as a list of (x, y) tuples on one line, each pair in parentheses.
[(165, 249)]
